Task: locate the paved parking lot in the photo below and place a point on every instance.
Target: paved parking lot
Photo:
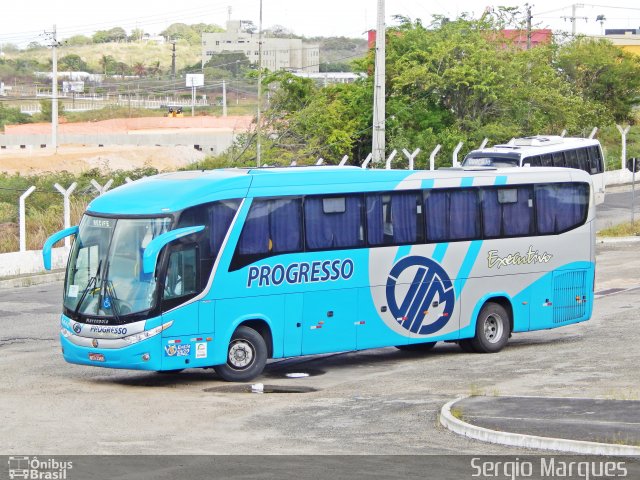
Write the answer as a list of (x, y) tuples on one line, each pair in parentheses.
[(373, 402)]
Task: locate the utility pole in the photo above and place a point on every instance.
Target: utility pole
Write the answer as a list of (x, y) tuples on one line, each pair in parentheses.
[(529, 17), (173, 59), (378, 143), (224, 98), (573, 17), (258, 129), (54, 88)]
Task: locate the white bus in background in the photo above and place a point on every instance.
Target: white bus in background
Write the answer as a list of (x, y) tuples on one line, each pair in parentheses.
[(546, 151)]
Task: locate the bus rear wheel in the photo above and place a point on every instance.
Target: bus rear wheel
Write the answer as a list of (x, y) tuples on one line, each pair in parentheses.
[(246, 356), (492, 329), (416, 347)]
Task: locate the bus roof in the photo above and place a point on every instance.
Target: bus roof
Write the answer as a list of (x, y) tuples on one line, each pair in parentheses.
[(171, 192), (527, 146)]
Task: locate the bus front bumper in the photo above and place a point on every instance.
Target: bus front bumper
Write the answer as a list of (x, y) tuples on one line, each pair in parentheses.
[(145, 355)]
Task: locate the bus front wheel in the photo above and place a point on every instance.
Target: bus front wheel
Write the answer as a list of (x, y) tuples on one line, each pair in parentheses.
[(492, 329), (246, 356)]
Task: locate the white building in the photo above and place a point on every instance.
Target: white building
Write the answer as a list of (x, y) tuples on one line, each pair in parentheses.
[(277, 53)]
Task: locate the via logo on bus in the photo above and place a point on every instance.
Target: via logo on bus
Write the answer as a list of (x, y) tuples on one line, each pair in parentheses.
[(429, 300)]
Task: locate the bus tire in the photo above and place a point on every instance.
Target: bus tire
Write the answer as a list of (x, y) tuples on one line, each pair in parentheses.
[(492, 329), (246, 356), (416, 347)]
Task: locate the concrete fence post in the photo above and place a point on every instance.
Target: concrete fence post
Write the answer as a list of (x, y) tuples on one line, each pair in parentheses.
[(411, 156), (455, 154), (432, 157), (344, 161), (101, 189), (390, 159), (320, 161), (66, 194), (23, 228), (593, 132), (484, 143), (563, 133), (623, 155), (367, 160)]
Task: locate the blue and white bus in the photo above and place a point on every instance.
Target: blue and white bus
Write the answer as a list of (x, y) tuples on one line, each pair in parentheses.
[(229, 268)]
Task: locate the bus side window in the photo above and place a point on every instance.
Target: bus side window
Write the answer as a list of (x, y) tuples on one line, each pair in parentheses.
[(561, 207), (595, 160), (583, 159), (452, 215), (181, 274), (273, 226), (534, 161), (558, 159), (333, 222), (507, 212), (394, 218), (546, 160), (571, 158)]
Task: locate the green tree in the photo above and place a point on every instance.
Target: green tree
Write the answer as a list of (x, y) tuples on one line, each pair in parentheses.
[(233, 62), (72, 62), (78, 40), (604, 73), (10, 116), (46, 110), (107, 62)]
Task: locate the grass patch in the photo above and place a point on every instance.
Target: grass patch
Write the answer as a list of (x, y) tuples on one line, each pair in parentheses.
[(622, 230), (458, 413)]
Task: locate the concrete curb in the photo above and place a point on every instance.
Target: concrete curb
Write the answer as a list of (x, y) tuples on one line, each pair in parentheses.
[(29, 280), (618, 239), (456, 425)]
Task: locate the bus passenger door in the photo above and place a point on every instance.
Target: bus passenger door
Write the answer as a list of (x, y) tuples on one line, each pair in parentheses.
[(328, 321), (292, 330)]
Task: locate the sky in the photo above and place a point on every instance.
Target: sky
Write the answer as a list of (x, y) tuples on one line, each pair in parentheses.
[(22, 23)]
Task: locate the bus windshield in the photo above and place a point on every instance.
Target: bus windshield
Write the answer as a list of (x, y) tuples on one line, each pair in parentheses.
[(104, 274)]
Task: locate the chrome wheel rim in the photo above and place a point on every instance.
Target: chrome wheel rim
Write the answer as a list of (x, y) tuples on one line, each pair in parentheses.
[(241, 354), (493, 328)]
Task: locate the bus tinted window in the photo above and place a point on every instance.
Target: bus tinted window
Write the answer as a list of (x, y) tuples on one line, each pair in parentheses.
[(571, 158), (558, 159), (507, 212), (452, 215), (272, 226), (328, 227), (394, 218), (561, 207), (595, 160)]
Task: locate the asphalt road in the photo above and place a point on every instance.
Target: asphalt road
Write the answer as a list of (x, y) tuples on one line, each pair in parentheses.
[(373, 402), (617, 206)]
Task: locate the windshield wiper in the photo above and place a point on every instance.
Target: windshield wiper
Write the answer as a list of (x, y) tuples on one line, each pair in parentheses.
[(90, 284)]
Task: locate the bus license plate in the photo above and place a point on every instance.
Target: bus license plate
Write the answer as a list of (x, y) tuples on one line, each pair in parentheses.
[(96, 357)]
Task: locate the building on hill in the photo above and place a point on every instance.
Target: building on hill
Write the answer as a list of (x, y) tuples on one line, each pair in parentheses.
[(277, 53)]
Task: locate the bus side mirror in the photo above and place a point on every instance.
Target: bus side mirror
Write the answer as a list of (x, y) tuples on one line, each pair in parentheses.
[(52, 240), (633, 164), (150, 255)]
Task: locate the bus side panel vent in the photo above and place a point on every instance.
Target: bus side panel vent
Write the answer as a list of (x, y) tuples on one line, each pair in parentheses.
[(569, 296)]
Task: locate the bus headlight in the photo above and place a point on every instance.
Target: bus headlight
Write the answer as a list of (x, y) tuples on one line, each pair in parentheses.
[(138, 337)]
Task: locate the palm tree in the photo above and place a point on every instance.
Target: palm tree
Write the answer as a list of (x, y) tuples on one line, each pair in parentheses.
[(139, 69), (106, 61)]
